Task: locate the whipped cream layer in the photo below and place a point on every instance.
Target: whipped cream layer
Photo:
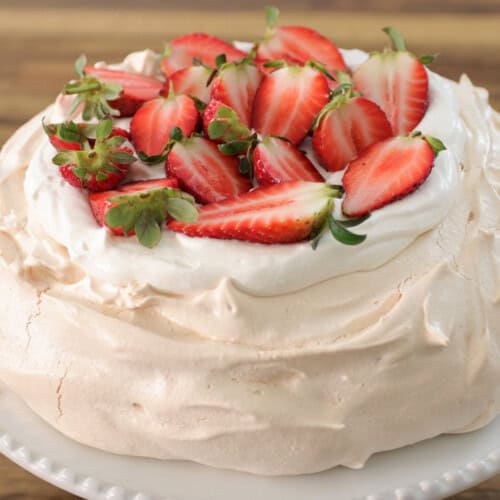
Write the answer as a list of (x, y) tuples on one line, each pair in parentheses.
[(180, 264), (273, 360)]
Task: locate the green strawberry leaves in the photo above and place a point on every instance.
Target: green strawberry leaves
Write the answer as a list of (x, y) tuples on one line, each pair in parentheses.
[(93, 93), (101, 160), (146, 212), (338, 227)]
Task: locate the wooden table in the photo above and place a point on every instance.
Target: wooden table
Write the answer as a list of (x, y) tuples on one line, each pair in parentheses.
[(40, 44)]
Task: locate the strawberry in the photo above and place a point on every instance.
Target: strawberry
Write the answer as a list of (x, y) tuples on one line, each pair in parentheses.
[(105, 92), (235, 86), (347, 126), (66, 136), (397, 81), (276, 160), (205, 48), (141, 208), (151, 126), (203, 170), (193, 81), (280, 213), (288, 100), (297, 45), (388, 171), (227, 124), (98, 169), (76, 136)]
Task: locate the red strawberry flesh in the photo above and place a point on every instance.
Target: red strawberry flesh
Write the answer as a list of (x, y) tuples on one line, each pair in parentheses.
[(204, 171), (385, 172), (281, 213), (276, 160)]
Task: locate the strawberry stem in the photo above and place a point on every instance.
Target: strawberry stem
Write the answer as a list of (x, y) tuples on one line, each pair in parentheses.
[(396, 38)]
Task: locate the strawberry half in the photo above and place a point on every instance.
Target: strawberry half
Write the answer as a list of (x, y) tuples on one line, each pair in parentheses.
[(281, 213), (151, 126), (397, 81), (203, 170), (141, 208), (200, 46), (193, 81), (297, 44), (235, 86), (347, 126), (276, 160), (288, 100), (388, 171), (105, 92), (98, 169)]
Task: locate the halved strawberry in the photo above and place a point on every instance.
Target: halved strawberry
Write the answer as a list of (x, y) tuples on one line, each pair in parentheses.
[(98, 169), (193, 81), (181, 51), (347, 126), (276, 160), (106, 92), (288, 100), (298, 44), (203, 170), (388, 171), (397, 81), (235, 86), (281, 213), (151, 126), (141, 208)]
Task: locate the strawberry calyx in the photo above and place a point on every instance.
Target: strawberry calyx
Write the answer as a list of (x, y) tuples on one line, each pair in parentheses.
[(342, 94), (69, 135), (436, 144), (98, 162), (146, 212), (338, 227), (399, 44), (281, 63), (93, 93)]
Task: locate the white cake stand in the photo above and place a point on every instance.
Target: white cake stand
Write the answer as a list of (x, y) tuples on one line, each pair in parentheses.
[(430, 470)]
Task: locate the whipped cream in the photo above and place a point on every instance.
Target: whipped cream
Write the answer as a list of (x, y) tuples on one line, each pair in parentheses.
[(180, 264), (273, 360)]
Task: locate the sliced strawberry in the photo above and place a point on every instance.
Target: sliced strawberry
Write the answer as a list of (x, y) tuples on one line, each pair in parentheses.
[(288, 100), (235, 86), (151, 126), (102, 202), (98, 169), (397, 81), (142, 209), (276, 160), (205, 48), (105, 91), (388, 171), (204, 171), (281, 213), (345, 128), (193, 81), (298, 44), (120, 132)]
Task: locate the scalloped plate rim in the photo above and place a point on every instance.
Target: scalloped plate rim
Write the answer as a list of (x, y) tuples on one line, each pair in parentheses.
[(70, 478)]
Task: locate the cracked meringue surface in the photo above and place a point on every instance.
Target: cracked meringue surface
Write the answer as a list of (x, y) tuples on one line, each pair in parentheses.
[(272, 360)]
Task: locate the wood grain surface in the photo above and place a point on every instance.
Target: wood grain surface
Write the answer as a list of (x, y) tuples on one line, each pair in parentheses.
[(40, 41)]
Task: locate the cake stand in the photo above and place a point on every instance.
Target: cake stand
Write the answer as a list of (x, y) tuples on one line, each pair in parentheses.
[(429, 470)]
